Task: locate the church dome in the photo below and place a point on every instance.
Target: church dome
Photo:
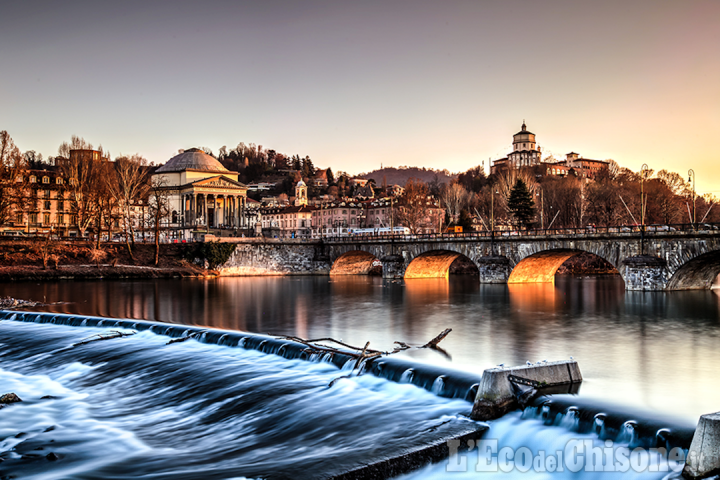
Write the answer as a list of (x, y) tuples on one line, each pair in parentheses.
[(301, 184), (193, 159)]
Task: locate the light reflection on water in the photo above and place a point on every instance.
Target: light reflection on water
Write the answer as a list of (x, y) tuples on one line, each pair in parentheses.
[(651, 349)]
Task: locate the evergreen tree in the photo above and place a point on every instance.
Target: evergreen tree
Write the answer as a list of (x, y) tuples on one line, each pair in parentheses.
[(308, 169), (465, 220), (521, 203), (330, 177)]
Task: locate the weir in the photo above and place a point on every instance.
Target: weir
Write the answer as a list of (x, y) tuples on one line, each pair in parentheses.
[(499, 391)]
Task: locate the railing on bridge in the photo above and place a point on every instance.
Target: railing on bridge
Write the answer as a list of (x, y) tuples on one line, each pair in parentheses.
[(504, 234)]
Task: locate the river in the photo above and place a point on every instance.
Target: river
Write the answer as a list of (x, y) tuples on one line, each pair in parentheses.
[(649, 352)]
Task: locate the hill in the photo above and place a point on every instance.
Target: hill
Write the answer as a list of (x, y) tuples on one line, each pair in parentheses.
[(399, 176)]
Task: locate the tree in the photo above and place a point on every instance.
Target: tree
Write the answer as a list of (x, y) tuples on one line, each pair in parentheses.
[(308, 169), (12, 178), (158, 210), (329, 176), (521, 203), (76, 143), (454, 198), (84, 178), (130, 186), (473, 180), (414, 205), (465, 220)]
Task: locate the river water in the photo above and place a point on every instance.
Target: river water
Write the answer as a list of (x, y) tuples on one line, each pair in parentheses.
[(123, 409)]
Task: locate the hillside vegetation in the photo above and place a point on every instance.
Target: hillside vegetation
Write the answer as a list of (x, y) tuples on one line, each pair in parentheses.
[(399, 176)]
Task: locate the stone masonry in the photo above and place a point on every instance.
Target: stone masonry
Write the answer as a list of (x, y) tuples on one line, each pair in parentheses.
[(670, 260)]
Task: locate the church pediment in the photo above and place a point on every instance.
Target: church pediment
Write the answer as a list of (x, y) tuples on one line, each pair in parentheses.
[(219, 182)]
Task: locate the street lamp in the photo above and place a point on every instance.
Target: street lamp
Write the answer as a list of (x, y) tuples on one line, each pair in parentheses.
[(691, 175), (542, 209), (492, 209), (643, 171)]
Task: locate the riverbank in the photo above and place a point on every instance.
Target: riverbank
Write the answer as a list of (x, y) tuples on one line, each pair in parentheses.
[(32, 260)]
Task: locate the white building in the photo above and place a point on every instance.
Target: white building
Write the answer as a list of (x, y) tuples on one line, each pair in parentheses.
[(202, 193)]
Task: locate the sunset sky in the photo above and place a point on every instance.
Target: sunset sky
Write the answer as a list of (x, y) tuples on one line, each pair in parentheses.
[(357, 84)]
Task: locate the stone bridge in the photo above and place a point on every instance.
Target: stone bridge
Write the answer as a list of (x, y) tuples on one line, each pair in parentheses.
[(671, 260)]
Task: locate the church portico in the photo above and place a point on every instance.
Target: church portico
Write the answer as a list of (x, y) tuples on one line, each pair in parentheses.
[(203, 194)]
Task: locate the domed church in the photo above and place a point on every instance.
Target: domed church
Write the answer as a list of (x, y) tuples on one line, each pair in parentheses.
[(202, 193)]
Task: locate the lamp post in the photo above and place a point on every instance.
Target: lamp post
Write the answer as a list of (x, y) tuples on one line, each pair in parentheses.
[(691, 176), (492, 210), (542, 209), (643, 172)]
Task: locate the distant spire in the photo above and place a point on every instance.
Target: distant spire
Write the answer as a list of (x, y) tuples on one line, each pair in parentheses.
[(524, 127)]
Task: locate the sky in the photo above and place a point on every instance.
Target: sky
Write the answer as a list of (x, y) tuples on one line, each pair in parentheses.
[(359, 84)]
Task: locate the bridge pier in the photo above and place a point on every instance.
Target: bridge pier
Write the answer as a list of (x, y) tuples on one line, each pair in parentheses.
[(645, 273), (393, 266), (494, 269)]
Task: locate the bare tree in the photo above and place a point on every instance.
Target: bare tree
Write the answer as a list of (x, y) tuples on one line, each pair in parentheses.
[(414, 205), (158, 210), (12, 178), (76, 143), (454, 198), (84, 179), (130, 185), (106, 205)]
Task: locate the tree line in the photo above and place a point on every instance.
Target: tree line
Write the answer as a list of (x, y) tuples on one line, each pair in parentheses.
[(101, 196)]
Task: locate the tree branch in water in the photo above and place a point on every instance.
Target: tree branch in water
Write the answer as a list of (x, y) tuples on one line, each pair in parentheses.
[(104, 336)]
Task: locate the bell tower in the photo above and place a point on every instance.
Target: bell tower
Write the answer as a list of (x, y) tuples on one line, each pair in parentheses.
[(301, 194)]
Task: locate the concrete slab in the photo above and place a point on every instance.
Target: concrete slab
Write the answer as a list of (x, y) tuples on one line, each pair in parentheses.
[(496, 395), (703, 458)]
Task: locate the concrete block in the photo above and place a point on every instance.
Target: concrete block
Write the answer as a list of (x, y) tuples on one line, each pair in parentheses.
[(496, 395), (703, 458)]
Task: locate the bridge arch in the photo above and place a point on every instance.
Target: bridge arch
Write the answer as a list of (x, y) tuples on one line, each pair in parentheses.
[(439, 264), (541, 267), (697, 273), (356, 262)]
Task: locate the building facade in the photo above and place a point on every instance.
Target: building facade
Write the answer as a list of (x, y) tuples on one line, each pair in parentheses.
[(202, 194)]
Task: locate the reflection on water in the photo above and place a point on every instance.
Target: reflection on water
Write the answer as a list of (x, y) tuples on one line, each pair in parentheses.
[(653, 349)]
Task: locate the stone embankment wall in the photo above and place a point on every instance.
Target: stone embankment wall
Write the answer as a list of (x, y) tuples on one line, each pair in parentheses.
[(276, 258)]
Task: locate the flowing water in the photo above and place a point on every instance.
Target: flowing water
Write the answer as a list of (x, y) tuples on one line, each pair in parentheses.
[(207, 408)]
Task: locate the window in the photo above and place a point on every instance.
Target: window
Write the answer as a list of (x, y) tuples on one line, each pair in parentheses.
[(33, 179), (19, 218), (33, 218), (47, 193), (46, 205), (73, 181), (61, 205), (59, 181), (61, 219), (46, 219), (46, 179), (73, 219)]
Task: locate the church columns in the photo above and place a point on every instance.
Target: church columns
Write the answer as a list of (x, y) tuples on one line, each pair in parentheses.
[(205, 209)]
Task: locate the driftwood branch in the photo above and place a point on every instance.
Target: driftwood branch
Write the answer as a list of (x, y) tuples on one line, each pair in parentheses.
[(187, 337), (104, 336), (361, 355), (433, 343)]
